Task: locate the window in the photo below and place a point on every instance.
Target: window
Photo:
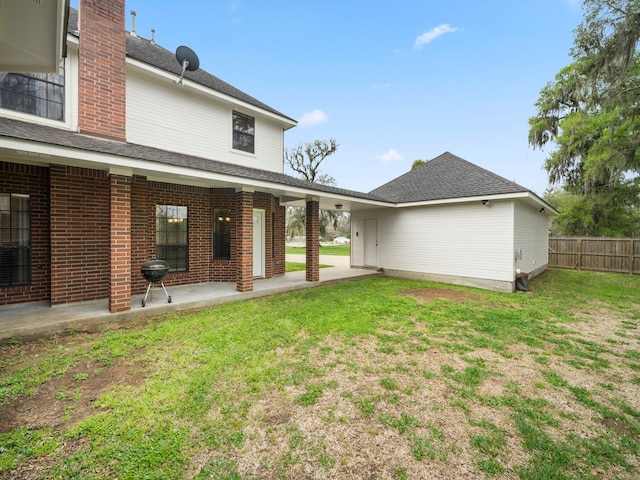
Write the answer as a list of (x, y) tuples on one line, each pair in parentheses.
[(172, 236), (221, 234), (40, 94), (244, 129), (15, 239)]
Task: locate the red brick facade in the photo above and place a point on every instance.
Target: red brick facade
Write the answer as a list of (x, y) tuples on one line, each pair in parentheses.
[(102, 69), (313, 241), (92, 232), (120, 242), (32, 181)]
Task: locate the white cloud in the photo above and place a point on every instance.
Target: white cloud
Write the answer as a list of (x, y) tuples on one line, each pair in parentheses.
[(429, 36), (313, 118), (391, 156)]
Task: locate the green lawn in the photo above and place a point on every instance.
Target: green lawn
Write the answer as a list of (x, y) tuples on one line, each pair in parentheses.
[(324, 250), (373, 378)]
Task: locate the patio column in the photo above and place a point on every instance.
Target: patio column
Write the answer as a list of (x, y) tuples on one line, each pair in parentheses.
[(313, 241), (120, 242), (244, 241)]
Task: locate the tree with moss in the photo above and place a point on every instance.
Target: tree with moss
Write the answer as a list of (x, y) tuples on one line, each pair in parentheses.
[(589, 113)]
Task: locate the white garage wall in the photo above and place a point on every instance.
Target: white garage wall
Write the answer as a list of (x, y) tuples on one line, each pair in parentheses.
[(457, 243), (531, 239)]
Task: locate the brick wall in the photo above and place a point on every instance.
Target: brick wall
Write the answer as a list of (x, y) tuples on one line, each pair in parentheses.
[(313, 241), (73, 239), (120, 241), (145, 195), (33, 181), (244, 241), (102, 69), (80, 226)]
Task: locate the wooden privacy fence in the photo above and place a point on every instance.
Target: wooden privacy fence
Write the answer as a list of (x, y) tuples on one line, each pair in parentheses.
[(621, 255)]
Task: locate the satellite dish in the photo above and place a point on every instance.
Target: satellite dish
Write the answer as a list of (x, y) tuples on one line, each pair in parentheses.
[(188, 59)]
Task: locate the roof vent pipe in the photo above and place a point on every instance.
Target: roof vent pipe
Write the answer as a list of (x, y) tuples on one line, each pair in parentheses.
[(133, 23), (153, 36)]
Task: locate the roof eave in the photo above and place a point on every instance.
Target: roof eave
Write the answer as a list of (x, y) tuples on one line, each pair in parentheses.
[(287, 122), (528, 196)]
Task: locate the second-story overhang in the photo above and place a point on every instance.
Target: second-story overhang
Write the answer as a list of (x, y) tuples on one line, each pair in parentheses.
[(32, 35), (174, 168)]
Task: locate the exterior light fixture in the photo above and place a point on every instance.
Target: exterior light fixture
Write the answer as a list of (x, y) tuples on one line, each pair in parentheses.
[(338, 206), (485, 202), (542, 210)]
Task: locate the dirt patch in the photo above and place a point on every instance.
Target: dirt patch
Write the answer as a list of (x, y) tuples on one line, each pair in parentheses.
[(424, 295), (65, 400)]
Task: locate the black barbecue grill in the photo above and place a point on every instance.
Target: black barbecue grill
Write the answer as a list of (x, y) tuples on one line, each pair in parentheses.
[(155, 271)]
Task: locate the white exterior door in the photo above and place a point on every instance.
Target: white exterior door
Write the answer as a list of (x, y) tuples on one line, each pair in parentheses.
[(258, 243), (370, 242)]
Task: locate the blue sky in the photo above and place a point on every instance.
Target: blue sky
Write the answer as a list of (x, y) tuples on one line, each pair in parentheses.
[(391, 81)]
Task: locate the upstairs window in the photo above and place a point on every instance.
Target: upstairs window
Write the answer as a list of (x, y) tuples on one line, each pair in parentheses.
[(40, 94), (15, 239), (244, 129), (172, 236)]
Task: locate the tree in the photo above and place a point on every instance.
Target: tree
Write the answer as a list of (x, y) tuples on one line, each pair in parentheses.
[(305, 160), (417, 163), (591, 113)]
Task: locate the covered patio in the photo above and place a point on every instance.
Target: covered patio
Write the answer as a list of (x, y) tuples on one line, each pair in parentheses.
[(41, 318)]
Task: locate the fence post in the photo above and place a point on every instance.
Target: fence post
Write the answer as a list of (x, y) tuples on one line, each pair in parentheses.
[(631, 256), (579, 263)]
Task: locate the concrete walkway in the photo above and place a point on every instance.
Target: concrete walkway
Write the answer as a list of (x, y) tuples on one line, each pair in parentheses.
[(41, 318)]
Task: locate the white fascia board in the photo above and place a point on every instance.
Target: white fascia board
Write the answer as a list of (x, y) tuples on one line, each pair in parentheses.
[(526, 196), (186, 83)]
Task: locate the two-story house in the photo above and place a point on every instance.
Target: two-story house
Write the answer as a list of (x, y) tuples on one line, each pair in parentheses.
[(112, 161), (115, 159)]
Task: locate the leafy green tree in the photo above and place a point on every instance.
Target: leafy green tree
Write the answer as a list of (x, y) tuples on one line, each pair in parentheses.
[(417, 163), (591, 115), (613, 213)]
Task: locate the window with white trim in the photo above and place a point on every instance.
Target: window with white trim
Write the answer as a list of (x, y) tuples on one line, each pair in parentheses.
[(244, 130)]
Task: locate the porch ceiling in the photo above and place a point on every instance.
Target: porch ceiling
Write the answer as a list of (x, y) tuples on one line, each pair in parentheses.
[(32, 35)]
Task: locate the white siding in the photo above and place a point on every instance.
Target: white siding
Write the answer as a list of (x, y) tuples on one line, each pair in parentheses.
[(174, 117), (531, 238), (465, 240)]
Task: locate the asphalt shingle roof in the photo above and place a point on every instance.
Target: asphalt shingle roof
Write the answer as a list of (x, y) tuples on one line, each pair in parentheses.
[(54, 136), (444, 177), (153, 54)]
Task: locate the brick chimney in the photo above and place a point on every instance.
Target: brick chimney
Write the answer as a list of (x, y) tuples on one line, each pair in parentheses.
[(102, 69)]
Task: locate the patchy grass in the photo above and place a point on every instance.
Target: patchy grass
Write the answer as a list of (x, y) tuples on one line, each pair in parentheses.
[(375, 378)]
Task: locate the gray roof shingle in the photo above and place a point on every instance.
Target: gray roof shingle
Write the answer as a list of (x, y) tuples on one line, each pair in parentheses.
[(444, 177), (12, 128), (153, 54)]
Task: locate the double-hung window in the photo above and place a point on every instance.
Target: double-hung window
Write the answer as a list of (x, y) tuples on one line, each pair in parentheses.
[(40, 94), (15, 239), (244, 131), (172, 236)]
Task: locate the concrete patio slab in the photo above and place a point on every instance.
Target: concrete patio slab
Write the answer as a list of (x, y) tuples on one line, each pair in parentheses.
[(42, 318)]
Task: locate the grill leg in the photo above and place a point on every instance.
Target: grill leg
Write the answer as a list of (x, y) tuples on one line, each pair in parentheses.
[(144, 300), (165, 292)]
